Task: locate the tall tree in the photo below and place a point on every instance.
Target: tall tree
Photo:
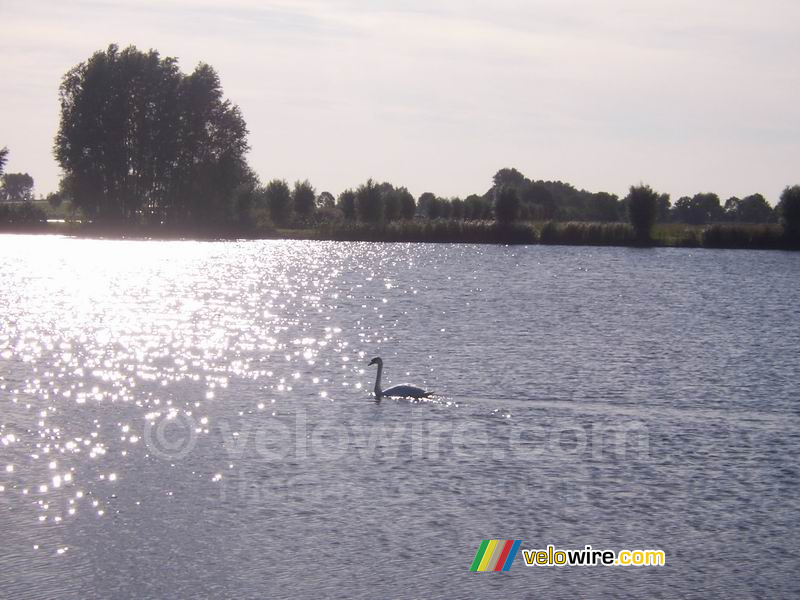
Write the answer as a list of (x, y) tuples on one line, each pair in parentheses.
[(139, 140), (369, 202), (789, 210), (279, 201), (304, 197), (407, 205), (664, 206), (509, 178), (391, 205), (3, 159), (642, 204), (507, 205), (347, 204), (426, 205)]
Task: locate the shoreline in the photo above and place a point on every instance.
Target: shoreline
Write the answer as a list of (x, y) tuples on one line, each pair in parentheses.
[(712, 237)]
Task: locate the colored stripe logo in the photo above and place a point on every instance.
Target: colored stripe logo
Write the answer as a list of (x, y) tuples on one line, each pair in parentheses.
[(495, 555)]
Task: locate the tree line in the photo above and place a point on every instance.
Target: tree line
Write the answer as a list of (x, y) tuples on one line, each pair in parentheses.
[(140, 142)]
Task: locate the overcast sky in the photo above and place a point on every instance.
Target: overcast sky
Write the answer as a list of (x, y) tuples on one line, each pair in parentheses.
[(688, 96)]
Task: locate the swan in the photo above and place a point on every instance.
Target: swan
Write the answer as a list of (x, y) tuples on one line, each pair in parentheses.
[(396, 391)]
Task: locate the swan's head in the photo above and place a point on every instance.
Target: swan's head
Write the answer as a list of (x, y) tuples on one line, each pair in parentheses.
[(376, 361)]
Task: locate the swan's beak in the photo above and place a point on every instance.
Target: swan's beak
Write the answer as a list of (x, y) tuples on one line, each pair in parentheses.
[(374, 361)]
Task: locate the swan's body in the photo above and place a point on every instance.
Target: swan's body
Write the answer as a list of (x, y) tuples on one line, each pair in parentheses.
[(396, 391)]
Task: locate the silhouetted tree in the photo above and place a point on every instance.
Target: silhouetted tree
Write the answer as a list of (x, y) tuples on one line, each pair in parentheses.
[(279, 200), (642, 204), (709, 206), (16, 187), (731, 208), (444, 208), (3, 159), (426, 203), (509, 178), (541, 200), (433, 208), (789, 210), (407, 205), (391, 205), (664, 205), (369, 202), (752, 209), (684, 211), (700, 209), (325, 200), (138, 140), (347, 204), (456, 208), (506, 205), (477, 208), (303, 198), (604, 207)]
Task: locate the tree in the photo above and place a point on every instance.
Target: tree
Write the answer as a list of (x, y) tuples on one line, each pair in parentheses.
[(444, 208), (17, 187), (304, 197), (753, 209), (700, 209), (476, 208), (325, 200), (731, 208), (347, 204), (683, 210), (509, 178), (541, 202), (432, 207), (664, 205), (369, 202), (507, 205), (709, 207), (605, 207), (457, 208), (426, 205), (3, 159), (279, 201), (642, 204), (407, 205), (139, 140), (392, 205), (789, 210)]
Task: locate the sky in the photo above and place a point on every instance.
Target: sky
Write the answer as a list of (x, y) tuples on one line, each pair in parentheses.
[(686, 96)]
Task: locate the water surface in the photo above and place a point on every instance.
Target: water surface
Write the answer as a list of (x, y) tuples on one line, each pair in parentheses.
[(193, 419)]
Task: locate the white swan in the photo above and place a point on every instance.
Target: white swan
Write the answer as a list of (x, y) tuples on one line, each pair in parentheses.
[(396, 391)]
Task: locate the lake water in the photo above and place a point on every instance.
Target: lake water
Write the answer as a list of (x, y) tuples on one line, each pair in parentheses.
[(189, 419)]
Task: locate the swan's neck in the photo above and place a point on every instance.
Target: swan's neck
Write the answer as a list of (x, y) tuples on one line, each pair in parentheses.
[(378, 380)]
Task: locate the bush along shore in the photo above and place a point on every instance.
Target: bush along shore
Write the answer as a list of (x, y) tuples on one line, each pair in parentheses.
[(753, 237), (719, 236)]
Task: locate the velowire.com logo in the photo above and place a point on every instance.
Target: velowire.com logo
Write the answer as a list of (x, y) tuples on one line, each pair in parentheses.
[(495, 555), (498, 555)]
